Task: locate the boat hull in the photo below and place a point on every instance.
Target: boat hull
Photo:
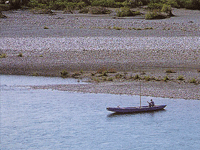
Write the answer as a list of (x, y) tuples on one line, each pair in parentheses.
[(135, 109)]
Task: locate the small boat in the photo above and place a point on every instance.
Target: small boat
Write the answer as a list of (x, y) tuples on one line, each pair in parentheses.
[(135, 109)]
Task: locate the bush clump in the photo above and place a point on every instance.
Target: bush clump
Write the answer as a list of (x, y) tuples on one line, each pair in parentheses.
[(166, 78), (3, 55), (64, 73), (126, 12), (154, 15), (20, 55), (158, 11), (95, 10), (180, 78), (193, 80), (104, 3)]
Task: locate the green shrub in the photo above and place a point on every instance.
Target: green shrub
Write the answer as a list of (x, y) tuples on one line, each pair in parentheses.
[(84, 10), (166, 78), (148, 28), (151, 15), (35, 74), (167, 9), (104, 73), (191, 4), (76, 74), (110, 79), (20, 55), (193, 80), (125, 12), (155, 6), (36, 4), (104, 3), (117, 28), (180, 78), (64, 73), (147, 78), (45, 27), (99, 10), (137, 77), (154, 15), (81, 5), (3, 55), (173, 3)]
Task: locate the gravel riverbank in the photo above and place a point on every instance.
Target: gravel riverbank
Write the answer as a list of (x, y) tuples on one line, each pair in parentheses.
[(87, 43)]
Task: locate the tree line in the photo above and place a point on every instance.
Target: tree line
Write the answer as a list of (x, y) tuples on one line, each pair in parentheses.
[(78, 4)]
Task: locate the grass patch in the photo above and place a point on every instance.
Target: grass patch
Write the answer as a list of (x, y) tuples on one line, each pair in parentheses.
[(166, 78), (180, 78), (104, 73), (110, 79), (76, 75), (20, 55), (147, 78), (148, 28), (126, 12), (136, 77), (81, 71), (3, 55), (154, 15), (95, 10), (117, 28), (45, 27), (193, 80), (35, 74), (64, 73)]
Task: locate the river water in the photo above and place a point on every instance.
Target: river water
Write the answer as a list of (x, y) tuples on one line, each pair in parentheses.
[(49, 119)]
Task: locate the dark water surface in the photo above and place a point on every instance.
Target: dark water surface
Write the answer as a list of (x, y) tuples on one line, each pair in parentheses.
[(55, 120)]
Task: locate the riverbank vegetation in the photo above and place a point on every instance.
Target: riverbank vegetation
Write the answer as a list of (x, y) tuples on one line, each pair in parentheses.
[(79, 4), (103, 75)]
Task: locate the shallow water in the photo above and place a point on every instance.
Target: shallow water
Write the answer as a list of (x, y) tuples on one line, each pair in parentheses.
[(50, 119)]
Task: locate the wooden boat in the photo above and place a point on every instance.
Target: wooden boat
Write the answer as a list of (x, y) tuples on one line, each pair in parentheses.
[(135, 109)]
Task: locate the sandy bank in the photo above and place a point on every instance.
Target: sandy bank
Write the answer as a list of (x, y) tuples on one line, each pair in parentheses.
[(75, 43)]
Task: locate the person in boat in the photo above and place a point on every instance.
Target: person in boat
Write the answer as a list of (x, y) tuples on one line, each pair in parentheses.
[(151, 103)]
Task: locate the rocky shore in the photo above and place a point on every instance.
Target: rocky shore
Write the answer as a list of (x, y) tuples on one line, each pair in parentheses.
[(114, 55)]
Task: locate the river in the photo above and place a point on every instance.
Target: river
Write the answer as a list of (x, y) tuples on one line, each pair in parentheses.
[(50, 119)]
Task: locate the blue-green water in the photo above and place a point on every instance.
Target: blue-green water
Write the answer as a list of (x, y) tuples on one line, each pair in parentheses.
[(61, 120)]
